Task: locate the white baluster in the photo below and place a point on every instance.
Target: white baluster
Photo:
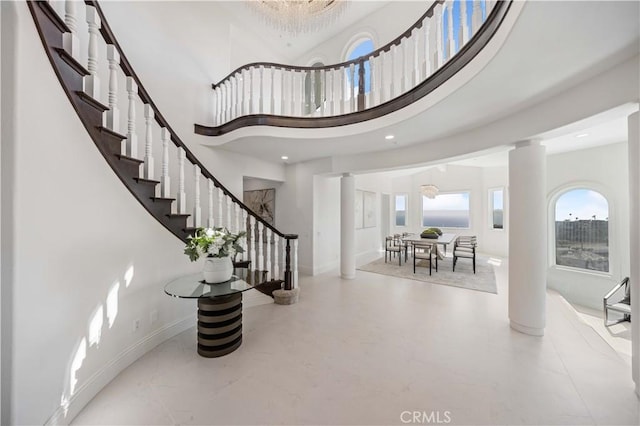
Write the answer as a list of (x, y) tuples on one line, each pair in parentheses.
[(352, 88), (197, 208), (215, 107), (303, 111), (210, 187), (282, 92), (392, 89), (272, 105), (269, 265), (238, 101), (343, 96), (405, 56), (91, 81), (252, 241), (229, 217), (381, 83), (331, 90), (251, 91), (415, 69), (323, 91), (276, 266), (476, 17), (113, 114), (464, 22), (228, 95), (148, 153), (437, 15), (451, 43), (457, 31), (293, 94), (243, 77), (132, 138), (428, 49), (223, 103), (220, 196), (260, 247), (237, 216), (373, 75), (294, 261), (165, 180), (70, 41), (182, 196), (261, 101), (245, 247)]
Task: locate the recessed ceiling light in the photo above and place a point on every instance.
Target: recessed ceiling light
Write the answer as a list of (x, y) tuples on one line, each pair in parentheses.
[(582, 135), (284, 157), (389, 137)]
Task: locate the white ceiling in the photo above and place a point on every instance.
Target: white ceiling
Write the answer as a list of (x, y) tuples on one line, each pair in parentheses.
[(295, 46), (578, 41)]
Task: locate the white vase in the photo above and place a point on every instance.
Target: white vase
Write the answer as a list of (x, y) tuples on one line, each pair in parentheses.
[(217, 269)]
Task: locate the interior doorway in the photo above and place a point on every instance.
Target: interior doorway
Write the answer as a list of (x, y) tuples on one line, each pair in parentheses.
[(385, 214)]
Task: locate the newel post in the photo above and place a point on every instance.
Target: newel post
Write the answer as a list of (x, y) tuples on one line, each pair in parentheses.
[(288, 295)]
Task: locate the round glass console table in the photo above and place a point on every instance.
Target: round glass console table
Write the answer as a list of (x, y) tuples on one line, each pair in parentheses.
[(219, 308)]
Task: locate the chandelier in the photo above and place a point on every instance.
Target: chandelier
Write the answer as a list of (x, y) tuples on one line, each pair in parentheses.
[(298, 16), (429, 191)]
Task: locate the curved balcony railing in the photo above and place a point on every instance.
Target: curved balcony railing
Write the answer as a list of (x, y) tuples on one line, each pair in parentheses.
[(435, 47)]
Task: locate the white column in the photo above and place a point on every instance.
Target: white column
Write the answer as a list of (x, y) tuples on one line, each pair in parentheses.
[(113, 114), (165, 180), (148, 152), (634, 238), (132, 138), (197, 209), (70, 41), (527, 244), (91, 81), (347, 226)]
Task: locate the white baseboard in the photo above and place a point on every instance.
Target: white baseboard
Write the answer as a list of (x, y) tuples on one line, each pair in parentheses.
[(109, 371), (361, 259)]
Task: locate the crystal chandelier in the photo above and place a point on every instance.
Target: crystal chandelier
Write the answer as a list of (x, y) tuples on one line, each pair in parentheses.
[(298, 16), (429, 191)]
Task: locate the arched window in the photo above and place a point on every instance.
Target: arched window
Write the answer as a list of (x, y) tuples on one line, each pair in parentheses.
[(360, 48), (313, 101), (582, 230)]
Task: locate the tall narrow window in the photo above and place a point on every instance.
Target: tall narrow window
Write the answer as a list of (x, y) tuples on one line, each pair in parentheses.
[(496, 201), (446, 210), (401, 210), (364, 47), (582, 230)]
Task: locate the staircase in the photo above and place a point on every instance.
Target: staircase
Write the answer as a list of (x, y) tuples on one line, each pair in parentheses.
[(180, 208)]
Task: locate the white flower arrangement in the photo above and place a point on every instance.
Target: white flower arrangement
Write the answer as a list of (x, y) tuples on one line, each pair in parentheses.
[(214, 242)]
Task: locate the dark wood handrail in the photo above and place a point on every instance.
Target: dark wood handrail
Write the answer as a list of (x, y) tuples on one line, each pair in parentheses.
[(346, 64), (477, 42), (128, 70)]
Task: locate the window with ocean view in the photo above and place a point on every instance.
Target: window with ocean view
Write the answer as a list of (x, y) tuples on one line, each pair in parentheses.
[(496, 200), (582, 230), (449, 210), (401, 210)]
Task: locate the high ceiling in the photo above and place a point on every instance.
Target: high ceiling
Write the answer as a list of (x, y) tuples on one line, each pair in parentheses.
[(577, 41)]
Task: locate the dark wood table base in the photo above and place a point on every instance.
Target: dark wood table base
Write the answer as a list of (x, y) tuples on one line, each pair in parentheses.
[(219, 325)]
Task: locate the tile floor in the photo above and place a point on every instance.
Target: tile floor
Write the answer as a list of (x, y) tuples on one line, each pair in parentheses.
[(366, 351)]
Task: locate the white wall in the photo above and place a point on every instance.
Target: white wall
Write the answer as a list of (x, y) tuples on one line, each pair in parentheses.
[(604, 170), (77, 231)]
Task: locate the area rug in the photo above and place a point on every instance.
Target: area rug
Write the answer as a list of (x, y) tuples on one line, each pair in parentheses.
[(483, 280)]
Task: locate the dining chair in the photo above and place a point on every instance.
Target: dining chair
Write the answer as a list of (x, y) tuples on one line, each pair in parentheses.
[(425, 251), (391, 248), (465, 247)]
